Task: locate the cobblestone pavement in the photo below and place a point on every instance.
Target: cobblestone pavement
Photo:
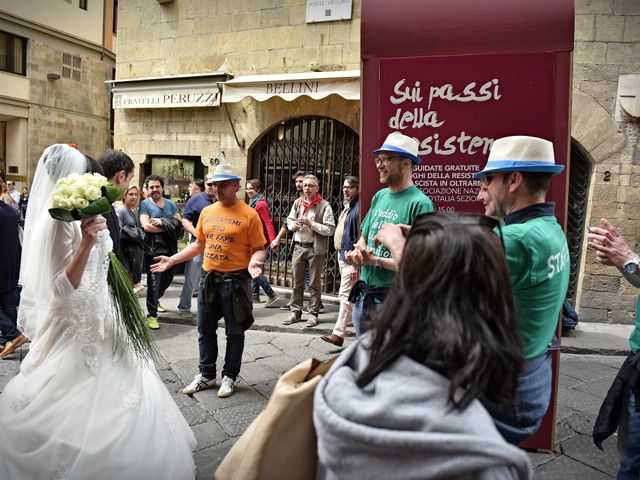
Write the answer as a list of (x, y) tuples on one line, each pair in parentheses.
[(217, 422)]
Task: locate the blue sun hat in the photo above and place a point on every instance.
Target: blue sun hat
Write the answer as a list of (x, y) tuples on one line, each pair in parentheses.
[(224, 172), (520, 154), (399, 143)]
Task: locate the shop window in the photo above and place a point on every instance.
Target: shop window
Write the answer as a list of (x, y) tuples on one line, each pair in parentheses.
[(13, 54), (177, 172)]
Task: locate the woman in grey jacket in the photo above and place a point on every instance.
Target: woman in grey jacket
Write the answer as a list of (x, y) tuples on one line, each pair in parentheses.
[(403, 402)]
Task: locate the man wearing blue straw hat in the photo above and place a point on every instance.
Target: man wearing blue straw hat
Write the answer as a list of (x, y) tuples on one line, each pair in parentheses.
[(400, 203), (230, 238), (517, 176)]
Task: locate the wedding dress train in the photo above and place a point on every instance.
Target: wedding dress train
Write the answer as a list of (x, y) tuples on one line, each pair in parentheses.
[(79, 408)]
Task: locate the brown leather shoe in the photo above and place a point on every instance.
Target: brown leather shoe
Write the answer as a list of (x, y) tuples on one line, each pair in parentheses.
[(333, 339), (11, 346)]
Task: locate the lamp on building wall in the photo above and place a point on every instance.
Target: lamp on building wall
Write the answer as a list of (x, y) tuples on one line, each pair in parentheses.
[(53, 76), (280, 131)]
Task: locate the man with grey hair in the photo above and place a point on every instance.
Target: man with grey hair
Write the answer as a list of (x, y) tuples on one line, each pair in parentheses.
[(312, 223)]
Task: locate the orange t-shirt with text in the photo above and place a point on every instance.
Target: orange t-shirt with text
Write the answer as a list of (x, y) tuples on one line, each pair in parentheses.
[(229, 235)]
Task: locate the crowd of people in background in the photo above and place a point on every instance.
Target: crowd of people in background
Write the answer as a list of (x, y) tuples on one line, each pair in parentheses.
[(467, 303)]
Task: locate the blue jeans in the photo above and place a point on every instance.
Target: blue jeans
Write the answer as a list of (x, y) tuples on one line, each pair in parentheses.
[(9, 301), (356, 316), (261, 281), (192, 274), (629, 440), (208, 316), (520, 419), (157, 284)]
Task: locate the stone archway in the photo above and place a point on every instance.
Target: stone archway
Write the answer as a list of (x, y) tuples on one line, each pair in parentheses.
[(598, 138), (323, 146)]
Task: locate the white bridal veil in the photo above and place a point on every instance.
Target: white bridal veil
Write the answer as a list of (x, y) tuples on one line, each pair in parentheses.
[(37, 269)]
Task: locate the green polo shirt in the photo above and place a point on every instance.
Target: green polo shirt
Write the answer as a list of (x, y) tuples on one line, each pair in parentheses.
[(390, 207), (538, 262)]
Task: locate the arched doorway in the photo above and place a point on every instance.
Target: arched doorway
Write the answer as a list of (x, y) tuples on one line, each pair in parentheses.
[(322, 146), (580, 169)]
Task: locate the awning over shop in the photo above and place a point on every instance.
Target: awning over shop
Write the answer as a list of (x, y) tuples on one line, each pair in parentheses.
[(182, 91), (290, 86)]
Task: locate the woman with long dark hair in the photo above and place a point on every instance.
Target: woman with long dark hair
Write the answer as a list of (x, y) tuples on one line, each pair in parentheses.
[(403, 402)]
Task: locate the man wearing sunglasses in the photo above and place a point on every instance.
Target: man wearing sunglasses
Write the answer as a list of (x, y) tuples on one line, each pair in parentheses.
[(193, 268), (517, 176), (230, 237), (400, 203)]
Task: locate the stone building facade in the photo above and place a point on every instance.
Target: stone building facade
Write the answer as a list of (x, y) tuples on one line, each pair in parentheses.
[(607, 48), (295, 102), (52, 86), (190, 37), (271, 37)]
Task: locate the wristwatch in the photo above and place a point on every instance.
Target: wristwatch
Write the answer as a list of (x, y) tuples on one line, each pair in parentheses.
[(631, 267)]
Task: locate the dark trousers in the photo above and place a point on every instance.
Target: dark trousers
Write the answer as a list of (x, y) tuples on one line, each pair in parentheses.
[(208, 316), (261, 281), (9, 301), (157, 284)]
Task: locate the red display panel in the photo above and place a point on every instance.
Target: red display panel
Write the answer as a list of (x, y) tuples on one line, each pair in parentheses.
[(456, 106), (456, 76)]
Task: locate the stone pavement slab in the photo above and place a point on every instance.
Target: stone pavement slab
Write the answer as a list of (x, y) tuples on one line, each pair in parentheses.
[(587, 338), (217, 423)]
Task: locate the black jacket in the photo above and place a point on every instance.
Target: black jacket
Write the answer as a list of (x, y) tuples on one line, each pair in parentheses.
[(113, 224)]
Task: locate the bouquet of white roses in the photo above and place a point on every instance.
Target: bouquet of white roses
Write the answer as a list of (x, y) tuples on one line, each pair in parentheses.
[(79, 196)]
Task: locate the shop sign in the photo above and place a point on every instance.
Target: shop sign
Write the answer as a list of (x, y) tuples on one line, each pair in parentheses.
[(328, 10), (457, 106), (166, 98), (316, 85)]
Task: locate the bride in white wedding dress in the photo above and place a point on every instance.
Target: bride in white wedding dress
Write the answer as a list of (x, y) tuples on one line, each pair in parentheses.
[(79, 408)]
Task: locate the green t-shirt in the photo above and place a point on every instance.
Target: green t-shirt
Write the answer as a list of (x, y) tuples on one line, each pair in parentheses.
[(390, 207), (634, 339), (538, 261)]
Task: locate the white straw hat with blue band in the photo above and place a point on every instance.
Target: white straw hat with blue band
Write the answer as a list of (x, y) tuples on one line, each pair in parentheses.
[(399, 143), (224, 172), (520, 154)]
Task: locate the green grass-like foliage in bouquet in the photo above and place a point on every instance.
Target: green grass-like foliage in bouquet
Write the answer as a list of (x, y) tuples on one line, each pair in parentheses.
[(79, 196)]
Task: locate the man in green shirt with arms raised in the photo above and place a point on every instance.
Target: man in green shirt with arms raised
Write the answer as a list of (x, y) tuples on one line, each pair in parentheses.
[(400, 203), (517, 175)]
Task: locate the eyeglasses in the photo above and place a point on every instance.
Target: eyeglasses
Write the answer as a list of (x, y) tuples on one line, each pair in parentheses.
[(209, 184), (381, 160), (309, 186)]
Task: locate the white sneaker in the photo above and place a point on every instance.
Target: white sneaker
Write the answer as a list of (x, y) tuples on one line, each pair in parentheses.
[(199, 383), (227, 387)]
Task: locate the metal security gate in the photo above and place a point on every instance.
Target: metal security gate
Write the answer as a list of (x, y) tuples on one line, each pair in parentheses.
[(321, 146), (579, 177)]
